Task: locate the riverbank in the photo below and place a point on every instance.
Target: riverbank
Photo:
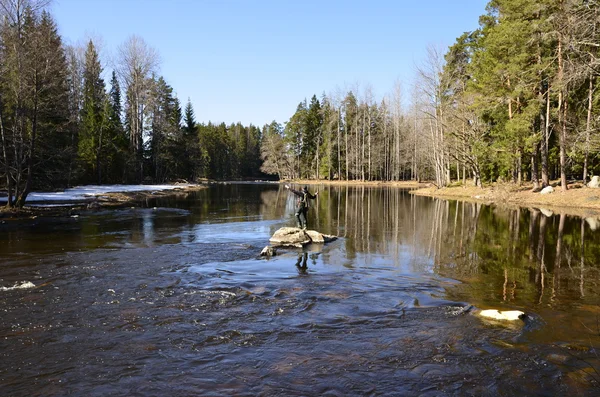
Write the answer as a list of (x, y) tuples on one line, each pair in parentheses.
[(578, 200), (95, 201)]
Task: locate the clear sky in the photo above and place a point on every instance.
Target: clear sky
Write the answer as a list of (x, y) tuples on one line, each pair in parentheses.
[(253, 61)]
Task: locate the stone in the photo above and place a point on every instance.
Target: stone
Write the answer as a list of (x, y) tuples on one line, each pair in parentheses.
[(593, 223), (508, 315), (315, 237), (290, 237), (268, 251), (595, 182), (296, 237), (94, 205), (547, 213), (547, 190)]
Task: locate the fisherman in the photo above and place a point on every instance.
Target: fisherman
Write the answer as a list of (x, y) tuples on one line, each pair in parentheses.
[(302, 205)]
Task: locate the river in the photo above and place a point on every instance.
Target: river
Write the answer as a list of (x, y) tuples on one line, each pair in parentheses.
[(169, 297)]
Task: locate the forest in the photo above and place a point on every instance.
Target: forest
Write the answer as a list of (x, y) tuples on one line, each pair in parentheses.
[(513, 101)]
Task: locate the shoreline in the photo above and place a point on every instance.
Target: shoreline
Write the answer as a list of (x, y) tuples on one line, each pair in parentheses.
[(578, 201), (35, 209), (405, 184)]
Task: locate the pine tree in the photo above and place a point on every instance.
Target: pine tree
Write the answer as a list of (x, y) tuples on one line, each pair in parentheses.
[(192, 164), (93, 135), (33, 102), (116, 150)]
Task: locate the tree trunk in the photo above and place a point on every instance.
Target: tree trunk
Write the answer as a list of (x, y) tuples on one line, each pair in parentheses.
[(588, 126), (339, 159), (347, 151), (534, 167), (545, 142), (20, 200), (562, 112)]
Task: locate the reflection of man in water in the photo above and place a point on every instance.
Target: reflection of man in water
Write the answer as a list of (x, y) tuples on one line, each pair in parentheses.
[(302, 206), (301, 263)]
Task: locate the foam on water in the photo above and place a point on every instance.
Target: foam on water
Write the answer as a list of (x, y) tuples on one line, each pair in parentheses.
[(22, 285)]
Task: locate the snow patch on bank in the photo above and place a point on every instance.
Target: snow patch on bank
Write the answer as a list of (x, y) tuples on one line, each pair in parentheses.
[(79, 193), (22, 285)]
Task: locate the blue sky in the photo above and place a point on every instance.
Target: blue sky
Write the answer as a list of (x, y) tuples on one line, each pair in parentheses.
[(254, 61)]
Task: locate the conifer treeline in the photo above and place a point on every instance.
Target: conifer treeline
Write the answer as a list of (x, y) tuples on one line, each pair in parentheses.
[(60, 124), (514, 100)]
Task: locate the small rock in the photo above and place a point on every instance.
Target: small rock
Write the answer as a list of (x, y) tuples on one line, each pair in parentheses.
[(508, 315), (268, 251), (595, 182), (547, 213), (593, 223), (547, 190), (94, 205)]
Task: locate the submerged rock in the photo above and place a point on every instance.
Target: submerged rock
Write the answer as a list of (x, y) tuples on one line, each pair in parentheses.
[(268, 251), (296, 237)]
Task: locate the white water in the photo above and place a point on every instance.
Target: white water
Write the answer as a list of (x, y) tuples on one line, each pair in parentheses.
[(22, 285)]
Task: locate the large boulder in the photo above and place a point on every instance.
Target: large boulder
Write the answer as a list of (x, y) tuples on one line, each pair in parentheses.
[(296, 237), (547, 190), (595, 182)]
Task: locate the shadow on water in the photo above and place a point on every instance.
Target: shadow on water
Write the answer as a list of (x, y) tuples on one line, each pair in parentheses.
[(170, 297)]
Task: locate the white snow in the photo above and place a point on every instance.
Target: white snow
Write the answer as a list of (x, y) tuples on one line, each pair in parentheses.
[(79, 193)]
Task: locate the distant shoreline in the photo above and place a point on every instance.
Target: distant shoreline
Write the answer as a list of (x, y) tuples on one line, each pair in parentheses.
[(578, 200), (103, 200), (406, 184)]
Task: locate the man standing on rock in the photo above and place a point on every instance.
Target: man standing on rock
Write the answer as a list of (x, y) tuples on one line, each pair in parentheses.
[(302, 204)]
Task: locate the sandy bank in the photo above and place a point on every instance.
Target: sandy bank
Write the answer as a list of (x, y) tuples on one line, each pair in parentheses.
[(578, 200)]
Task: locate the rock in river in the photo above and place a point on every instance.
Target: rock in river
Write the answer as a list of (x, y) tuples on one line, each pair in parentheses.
[(268, 251), (296, 237)]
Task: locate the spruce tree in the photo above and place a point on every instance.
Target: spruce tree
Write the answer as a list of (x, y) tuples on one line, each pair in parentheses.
[(92, 139)]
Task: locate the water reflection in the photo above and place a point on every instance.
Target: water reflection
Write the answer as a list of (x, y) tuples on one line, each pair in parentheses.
[(301, 263)]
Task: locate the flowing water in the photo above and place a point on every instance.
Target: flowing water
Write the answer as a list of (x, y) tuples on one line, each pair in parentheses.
[(171, 298)]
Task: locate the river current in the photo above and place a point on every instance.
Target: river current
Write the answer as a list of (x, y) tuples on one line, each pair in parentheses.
[(169, 297)]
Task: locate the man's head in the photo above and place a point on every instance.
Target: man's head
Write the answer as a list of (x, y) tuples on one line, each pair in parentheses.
[(305, 189)]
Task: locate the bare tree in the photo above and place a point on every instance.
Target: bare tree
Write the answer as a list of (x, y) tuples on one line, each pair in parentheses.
[(137, 62), (431, 88)]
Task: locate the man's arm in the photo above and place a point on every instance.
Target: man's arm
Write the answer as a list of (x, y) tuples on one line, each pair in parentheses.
[(296, 192)]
